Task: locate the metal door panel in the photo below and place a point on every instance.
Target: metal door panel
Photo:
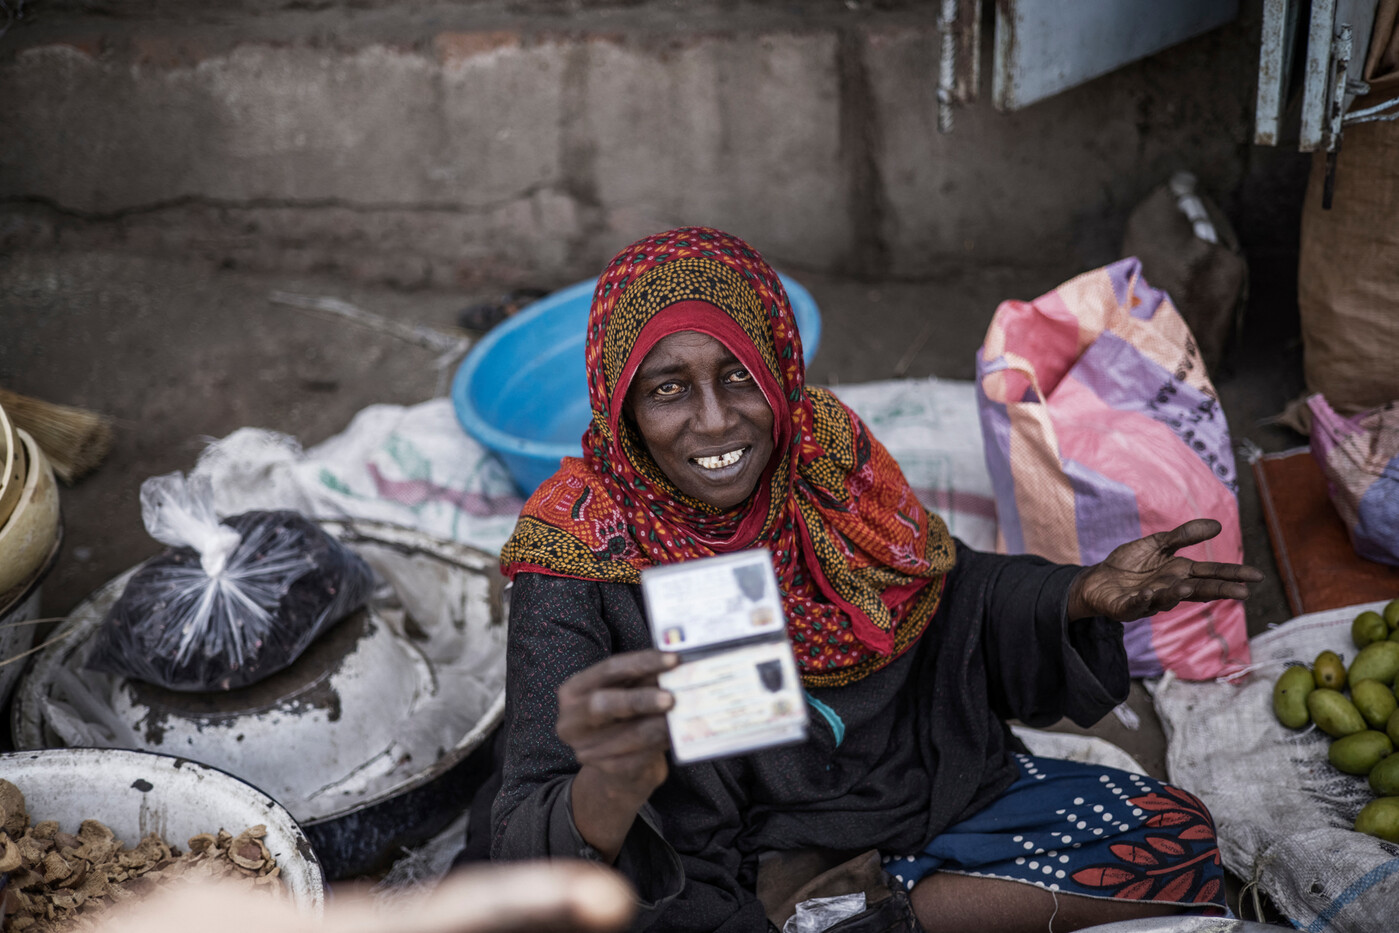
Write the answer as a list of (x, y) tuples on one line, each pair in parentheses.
[(1275, 67), (1338, 39), (1046, 46)]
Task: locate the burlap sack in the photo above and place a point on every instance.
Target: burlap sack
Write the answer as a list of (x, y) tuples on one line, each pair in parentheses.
[(1382, 62), (1207, 281), (1348, 275)]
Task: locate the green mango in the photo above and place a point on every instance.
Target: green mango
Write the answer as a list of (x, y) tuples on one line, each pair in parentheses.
[(1391, 728), (1333, 713), (1290, 696), (1375, 701), (1384, 777), (1359, 752), (1329, 671), (1368, 627), (1391, 613), (1379, 661), (1380, 817)]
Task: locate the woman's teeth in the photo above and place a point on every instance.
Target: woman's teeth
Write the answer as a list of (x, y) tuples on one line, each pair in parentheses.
[(723, 460)]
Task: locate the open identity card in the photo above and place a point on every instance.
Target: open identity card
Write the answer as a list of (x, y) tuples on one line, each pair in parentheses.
[(737, 688)]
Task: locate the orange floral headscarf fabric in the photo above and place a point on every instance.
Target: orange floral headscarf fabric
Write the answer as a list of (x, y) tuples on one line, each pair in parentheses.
[(861, 563)]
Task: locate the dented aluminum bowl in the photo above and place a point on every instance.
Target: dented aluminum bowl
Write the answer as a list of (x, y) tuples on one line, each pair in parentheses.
[(136, 793), (326, 715)]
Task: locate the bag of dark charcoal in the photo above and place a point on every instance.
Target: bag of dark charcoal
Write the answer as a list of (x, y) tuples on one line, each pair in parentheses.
[(228, 603)]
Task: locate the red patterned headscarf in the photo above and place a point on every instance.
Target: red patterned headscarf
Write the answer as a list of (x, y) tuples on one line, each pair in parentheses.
[(860, 562)]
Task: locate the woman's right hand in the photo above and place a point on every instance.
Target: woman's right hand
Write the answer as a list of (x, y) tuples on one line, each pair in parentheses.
[(612, 715)]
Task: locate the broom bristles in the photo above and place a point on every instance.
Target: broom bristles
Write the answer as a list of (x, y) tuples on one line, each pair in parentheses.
[(74, 439)]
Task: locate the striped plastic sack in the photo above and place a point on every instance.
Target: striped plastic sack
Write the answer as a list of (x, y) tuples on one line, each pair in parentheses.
[(1100, 426), (1360, 458)]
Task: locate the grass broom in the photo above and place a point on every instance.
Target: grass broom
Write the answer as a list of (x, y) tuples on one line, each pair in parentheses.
[(74, 439)]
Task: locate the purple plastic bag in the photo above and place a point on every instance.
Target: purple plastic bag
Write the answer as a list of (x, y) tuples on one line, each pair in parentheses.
[(1360, 457)]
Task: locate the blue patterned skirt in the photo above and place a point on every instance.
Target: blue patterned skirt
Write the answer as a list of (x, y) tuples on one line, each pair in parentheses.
[(1084, 829)]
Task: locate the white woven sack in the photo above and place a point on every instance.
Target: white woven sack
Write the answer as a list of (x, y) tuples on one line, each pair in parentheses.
[(415, 466), (1283, 813), (410, 466), (932, 428)]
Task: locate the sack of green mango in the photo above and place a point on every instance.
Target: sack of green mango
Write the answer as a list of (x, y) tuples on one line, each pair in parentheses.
[(1297, 758)]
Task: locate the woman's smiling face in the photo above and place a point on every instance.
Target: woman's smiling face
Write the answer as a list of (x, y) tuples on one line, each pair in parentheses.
[(703, 417)]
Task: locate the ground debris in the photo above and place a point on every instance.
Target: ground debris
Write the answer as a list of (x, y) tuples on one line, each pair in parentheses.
[(62, 881), (13, 817)]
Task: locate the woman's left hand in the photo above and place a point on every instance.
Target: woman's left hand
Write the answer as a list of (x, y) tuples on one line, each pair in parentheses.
[(1143, 577)]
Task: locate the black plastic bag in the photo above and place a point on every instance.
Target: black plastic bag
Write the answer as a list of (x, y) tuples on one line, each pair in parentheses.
[(229, 603)]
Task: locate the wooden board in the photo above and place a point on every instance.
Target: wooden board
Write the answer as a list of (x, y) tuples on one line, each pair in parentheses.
[(1319, 566)]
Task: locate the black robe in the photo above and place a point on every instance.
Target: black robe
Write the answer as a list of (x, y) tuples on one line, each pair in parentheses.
[(901, 754)]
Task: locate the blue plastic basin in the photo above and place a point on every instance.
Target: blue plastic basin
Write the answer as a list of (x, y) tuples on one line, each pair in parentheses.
[(522, 391)]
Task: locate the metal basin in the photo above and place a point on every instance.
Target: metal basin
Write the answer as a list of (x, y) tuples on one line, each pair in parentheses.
[(136, 793), (367, 739), (328, 714)]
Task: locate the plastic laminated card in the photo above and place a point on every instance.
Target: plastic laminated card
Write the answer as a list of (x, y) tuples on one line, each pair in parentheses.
[(737, 688)]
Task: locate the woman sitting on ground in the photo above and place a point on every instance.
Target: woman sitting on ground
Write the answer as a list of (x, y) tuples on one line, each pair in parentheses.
[(913, 648)]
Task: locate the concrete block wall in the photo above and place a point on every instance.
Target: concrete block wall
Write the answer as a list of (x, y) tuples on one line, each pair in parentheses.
[(450, 144)]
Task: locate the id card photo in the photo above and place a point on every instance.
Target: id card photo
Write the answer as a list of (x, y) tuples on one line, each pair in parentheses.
[(737, 689)]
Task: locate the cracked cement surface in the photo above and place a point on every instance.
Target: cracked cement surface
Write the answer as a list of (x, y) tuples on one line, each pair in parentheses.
[(180, 351)]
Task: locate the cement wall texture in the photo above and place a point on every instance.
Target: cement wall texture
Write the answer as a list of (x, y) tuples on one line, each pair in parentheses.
[(429, 144)]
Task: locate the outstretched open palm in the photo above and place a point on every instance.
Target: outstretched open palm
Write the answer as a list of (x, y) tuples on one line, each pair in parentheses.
[(1146, 576)]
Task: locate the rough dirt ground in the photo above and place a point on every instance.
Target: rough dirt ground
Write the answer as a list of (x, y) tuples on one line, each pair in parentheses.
[(179, 351)]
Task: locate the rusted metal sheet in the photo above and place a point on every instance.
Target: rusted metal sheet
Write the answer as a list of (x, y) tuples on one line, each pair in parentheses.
[(1337, 37), (1340, 61), (1317, 76), (1342, 52), (1359, 15), (1275, 68), (1047, 46), (1386, 111), (959, 66), (967, 74)]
